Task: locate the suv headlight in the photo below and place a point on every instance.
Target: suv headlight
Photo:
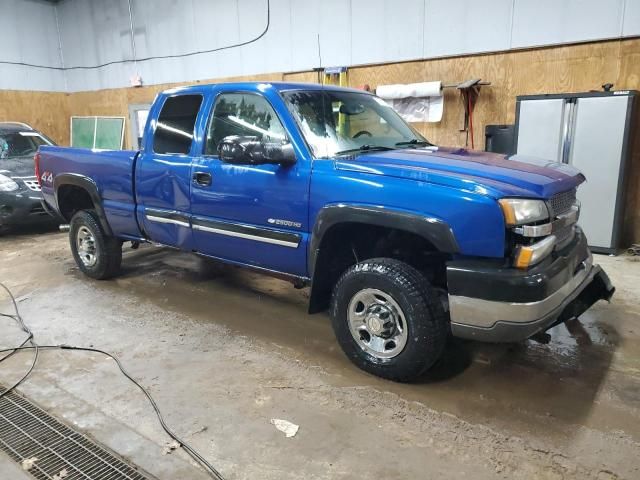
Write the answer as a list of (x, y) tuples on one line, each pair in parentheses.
[(520, 211), (7, 185)]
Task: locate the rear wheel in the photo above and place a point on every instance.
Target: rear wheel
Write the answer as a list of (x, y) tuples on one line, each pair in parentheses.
[(97, 255), (388, 319)]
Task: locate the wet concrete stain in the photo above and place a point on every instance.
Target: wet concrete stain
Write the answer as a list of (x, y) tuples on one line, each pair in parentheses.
[(544, 389), (586, 379)]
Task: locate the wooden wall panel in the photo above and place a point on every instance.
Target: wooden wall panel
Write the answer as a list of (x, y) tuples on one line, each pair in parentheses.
[(562, 69), (44, 111), (629, 74), (305, 77), (550, 70)]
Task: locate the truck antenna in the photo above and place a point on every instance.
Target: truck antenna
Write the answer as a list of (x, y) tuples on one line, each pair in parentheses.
[(319, 69)]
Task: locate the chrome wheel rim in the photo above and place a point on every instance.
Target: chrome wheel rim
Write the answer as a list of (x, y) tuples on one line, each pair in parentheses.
[(86, 246), (377, 323)]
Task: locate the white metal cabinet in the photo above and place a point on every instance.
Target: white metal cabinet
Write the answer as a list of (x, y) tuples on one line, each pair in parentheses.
[(540, 128), (597, 146), (590, 131)]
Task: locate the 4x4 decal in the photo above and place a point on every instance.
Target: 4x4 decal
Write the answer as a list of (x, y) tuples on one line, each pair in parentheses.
[(46, 177)]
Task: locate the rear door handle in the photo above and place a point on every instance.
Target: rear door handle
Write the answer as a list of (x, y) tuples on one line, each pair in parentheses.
[(202, 179)]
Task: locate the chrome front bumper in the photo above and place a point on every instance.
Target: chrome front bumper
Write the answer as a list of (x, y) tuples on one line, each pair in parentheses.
[(508, 321)]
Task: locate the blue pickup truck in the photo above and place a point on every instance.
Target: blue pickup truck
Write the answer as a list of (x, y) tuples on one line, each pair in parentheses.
[(404, 242)]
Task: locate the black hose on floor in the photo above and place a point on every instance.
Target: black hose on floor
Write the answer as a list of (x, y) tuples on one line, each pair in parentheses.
[(18, 319), (211, 470)]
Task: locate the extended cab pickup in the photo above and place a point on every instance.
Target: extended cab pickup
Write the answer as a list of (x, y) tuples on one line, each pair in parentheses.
[(403, 241)]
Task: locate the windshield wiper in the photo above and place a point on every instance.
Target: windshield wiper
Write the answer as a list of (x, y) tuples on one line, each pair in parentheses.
[(413, 142), (365, 148)]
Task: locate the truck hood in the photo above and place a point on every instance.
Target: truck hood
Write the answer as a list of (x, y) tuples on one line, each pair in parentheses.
[(480, 172), (17, 167)]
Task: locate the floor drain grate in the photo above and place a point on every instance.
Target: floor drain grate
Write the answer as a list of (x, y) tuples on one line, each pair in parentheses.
[(28, 432)]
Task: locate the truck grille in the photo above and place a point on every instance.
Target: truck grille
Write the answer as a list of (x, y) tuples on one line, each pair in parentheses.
[(562, 202), (32, 184), (564, 236)]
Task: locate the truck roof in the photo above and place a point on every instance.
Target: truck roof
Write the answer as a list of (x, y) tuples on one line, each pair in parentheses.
[(261, 87), (12, 127)]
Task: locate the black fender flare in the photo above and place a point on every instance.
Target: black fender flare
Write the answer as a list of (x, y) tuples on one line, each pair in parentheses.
[(434, 230), (90, 186)]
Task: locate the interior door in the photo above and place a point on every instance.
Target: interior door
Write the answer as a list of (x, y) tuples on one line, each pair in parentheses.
[(541, 128), (250, 214), (597, 152), (138, 114), (163, 173)]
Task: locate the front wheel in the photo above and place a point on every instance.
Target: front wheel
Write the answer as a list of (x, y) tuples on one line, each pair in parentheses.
[(388, 319), (96, 254)]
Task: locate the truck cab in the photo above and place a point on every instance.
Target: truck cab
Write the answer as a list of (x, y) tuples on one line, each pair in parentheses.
[(190, 197), (403, 241)]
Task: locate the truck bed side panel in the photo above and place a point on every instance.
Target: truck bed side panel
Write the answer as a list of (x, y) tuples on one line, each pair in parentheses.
[(110, 170)]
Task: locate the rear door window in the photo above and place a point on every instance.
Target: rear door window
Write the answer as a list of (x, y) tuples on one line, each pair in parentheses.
[(176, 123)]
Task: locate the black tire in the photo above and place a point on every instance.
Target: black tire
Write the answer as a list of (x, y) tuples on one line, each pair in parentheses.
[(108, 250), (426, 321)]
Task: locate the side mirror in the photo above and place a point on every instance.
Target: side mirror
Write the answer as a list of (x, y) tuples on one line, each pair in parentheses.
[(351, 109), (249, 150)]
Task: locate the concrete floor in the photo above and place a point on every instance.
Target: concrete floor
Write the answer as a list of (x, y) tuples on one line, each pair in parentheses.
[(224, 352)]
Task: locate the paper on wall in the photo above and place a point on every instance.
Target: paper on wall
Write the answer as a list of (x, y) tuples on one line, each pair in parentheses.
[(425, 109), (415, 102), (397, 91)]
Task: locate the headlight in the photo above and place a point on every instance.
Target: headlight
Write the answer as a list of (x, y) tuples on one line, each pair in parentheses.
[(7, 185), (519, 211)]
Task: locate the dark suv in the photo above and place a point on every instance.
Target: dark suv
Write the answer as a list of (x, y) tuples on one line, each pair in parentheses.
[(20, 197)]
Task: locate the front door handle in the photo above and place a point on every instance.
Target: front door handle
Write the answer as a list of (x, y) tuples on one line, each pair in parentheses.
[(202, 179)]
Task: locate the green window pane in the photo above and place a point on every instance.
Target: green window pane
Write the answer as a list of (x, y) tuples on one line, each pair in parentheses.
[(109, 133), (82, 131)]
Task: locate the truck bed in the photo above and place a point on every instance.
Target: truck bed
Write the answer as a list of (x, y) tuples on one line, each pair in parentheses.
[(111, 171)]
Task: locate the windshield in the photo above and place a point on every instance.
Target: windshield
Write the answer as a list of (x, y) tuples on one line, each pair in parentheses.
[(20, 144), (336, 122)]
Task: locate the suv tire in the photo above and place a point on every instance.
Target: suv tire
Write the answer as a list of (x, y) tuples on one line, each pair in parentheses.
[(97, 255), (388, 319)]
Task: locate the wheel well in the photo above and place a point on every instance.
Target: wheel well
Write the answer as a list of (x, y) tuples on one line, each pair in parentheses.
[(345, 244), (71, 199)]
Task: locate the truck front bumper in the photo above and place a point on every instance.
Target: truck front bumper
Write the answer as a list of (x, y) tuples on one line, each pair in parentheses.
[(495, 303)]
